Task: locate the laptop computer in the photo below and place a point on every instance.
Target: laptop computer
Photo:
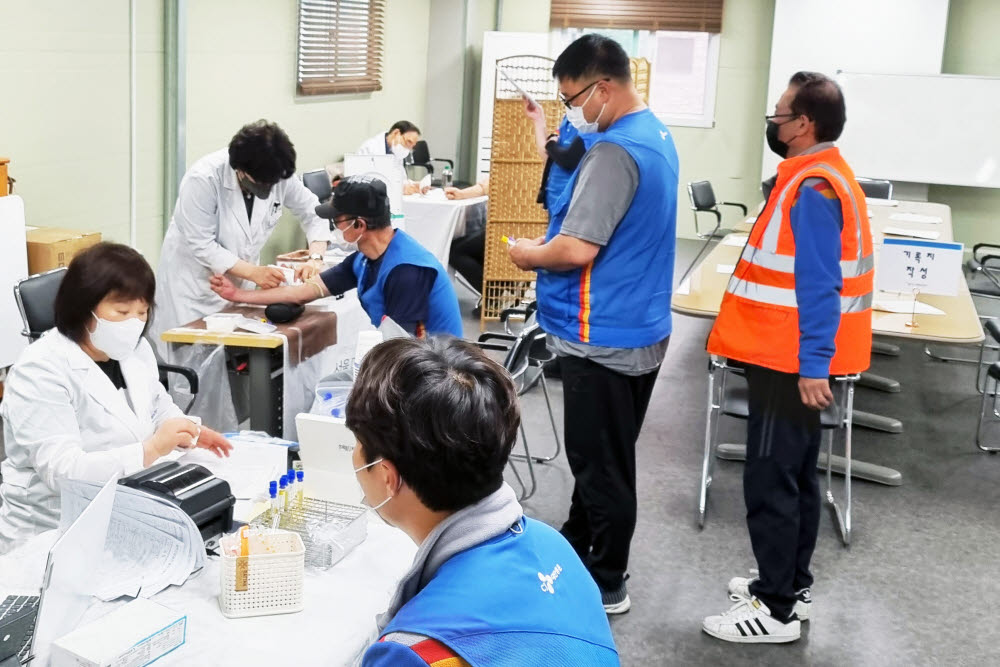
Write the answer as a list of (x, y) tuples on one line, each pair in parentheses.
[(326, 447), (29, 623)]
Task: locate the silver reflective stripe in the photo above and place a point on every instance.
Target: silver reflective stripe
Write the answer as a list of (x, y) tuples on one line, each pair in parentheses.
[(776, 296), (855, 304), (854, 204), (857, 267), (769, 260)]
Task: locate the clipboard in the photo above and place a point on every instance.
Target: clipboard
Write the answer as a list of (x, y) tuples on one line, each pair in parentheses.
[(519, 89)]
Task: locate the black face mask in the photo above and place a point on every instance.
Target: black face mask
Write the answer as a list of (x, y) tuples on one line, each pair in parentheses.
[(258, 190), (773, 142)]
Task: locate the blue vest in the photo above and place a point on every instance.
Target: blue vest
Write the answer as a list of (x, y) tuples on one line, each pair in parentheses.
[(622, 299), (518, 599), (558, 177), (443, 315)]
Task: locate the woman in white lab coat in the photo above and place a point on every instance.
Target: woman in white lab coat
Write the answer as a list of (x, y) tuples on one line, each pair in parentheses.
[(228, 205), (84, 401), (398, 142)]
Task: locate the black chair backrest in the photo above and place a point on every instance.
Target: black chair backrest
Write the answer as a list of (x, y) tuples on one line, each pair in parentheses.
[(319, 183), (518, 358), (421, 154), (993, 328), (702, 196), (876, 188), (36, 298)]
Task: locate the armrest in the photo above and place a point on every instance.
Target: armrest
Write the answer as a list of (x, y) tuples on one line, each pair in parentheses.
[(976, 248), (491, 335), (737, 204), (450, 163), (492, 346), (187, 373)]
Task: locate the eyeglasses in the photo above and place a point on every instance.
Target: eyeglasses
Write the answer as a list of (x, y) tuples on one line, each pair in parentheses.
[(336, 224), (780, 115), (567, 100)]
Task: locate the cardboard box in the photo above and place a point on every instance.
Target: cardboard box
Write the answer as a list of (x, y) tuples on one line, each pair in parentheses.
[(133, 635), (52, 247)]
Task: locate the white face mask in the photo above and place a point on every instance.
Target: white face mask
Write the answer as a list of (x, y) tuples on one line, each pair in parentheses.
[(118, 340), (337, 238), (575, 116), (400, 151), (364, 501)]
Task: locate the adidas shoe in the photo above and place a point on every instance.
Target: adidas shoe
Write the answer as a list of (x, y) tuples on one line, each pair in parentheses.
[(616, 602), (739, 589), (749, 621)]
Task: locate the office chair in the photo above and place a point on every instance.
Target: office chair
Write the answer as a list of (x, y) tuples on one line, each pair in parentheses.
[(728, 396), (982, 273), (421, 156), (703, 201), (36, 297), (992, 327), (876, 188), (318, 182)]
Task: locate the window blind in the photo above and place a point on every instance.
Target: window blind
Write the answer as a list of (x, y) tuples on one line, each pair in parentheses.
[(340, 46), (686, 15)]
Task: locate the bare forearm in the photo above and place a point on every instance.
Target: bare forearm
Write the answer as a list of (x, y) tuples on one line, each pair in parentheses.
[(541, 138), (303, 293), (562, 254)]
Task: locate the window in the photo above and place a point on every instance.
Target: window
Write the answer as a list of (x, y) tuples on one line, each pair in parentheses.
[(340, 46), (685, 69)]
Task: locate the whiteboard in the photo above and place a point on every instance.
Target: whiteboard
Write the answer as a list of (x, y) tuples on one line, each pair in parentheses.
[(13, 268), (923, 128)]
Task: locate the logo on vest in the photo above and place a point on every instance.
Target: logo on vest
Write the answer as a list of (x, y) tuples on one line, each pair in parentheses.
[(663, 135), (549, 579)]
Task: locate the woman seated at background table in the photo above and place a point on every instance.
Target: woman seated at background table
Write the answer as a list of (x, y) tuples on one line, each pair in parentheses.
[(468, 251), (85, 401)]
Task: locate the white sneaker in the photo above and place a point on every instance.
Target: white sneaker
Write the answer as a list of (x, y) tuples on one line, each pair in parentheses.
[(739, 589), (749, 622)]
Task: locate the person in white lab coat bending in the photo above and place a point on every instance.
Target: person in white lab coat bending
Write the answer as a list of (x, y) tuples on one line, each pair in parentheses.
[(399, 142), (84, 401), (228, 204)]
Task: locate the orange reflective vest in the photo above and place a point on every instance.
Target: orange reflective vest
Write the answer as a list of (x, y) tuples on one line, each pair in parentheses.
[(758, 322)]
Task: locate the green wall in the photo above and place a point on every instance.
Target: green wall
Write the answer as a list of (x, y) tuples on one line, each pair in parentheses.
[(971, 47)]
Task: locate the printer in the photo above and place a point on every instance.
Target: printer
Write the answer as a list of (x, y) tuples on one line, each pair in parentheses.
[(193, 488)]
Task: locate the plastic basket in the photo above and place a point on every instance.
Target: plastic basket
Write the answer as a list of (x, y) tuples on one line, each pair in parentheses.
[(328, 530), (274, 580)]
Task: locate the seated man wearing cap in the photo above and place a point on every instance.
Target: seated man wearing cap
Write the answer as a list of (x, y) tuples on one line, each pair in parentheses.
[(395, 276)]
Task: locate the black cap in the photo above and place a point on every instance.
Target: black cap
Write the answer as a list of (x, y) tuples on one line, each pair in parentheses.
[(364, 196)]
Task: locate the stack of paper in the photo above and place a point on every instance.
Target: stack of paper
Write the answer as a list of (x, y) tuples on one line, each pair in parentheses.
[(905, 306), (912, 233), (736, 240), (915, 217), (248, 468), (151, 543)]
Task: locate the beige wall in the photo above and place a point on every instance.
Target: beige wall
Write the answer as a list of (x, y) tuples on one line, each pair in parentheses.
[(241, 67), (971, 47), (64, 113), (728, 154)]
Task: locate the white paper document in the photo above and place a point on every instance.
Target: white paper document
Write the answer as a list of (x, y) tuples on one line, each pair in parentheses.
[(916, 217), (725, 268), (684, 288), (736, 240), (912, 233), (150, 543), (249, 467), (872, 201), (905, 306)]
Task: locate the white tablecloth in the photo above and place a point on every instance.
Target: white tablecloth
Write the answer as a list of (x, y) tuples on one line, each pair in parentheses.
[(435, 221), (334, 628)]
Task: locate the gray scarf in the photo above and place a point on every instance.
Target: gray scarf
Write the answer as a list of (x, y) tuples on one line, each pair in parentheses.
[(466, 528)]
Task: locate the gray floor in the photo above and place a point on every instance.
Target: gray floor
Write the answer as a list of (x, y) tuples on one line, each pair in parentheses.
[(919, 584)]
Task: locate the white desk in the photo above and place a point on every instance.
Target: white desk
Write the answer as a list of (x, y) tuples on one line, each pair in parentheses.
[(334, 628), (435, 221)]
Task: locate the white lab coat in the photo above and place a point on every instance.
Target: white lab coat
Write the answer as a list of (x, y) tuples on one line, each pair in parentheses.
[(376, 146), (209, 232), (64, 419)]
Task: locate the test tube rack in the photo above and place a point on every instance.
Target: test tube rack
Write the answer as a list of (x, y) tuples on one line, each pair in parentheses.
[(328, 530)]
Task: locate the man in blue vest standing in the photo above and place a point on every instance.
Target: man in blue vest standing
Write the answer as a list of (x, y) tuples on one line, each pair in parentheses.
[(605, 269)]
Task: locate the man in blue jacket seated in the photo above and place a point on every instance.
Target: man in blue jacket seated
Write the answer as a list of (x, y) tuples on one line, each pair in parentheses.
[(435, 421), (395, 276)]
